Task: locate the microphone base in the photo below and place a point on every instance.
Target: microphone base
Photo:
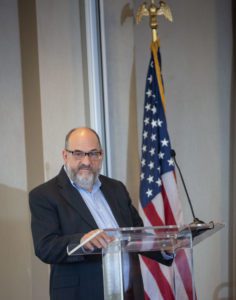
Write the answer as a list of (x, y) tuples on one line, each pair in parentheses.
[(197, 231), (196, 221)]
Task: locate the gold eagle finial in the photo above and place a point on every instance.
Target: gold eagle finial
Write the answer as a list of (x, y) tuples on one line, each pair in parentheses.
[(142, 11), (164, 10), (153, 11)]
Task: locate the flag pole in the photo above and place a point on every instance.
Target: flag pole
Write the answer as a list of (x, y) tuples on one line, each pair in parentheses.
[(153, 11)]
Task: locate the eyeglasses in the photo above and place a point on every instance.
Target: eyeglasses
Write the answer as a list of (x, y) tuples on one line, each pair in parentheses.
[(79, 155)]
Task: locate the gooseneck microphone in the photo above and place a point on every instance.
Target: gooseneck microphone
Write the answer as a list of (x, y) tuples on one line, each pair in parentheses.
[(195, 220)]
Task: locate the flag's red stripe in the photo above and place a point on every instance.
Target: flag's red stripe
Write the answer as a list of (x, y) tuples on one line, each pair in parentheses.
[(160, 279), (182, 264), (169, 217), (185, 272), (175, 176), (181, 260), (152, 215), (153, 266), (146, 296)]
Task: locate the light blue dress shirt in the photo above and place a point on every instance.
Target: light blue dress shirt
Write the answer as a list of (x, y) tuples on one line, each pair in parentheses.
[(98, 206)]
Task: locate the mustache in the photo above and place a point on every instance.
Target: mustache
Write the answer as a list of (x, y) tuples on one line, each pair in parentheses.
[(84, 167)]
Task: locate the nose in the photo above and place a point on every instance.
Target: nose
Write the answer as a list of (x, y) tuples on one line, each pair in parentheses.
[(85, 160)]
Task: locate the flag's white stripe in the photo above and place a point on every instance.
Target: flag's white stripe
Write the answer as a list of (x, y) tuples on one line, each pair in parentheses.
[(170, 186), (159, 207), (180, 291), (168, 272), (189, 262), (150, 284), (143, 216), (151, 287)]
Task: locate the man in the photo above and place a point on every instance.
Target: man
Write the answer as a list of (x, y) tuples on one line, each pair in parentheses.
[(69, 209)]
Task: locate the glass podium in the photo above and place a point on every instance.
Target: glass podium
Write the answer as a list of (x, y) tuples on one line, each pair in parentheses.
[(121, 268)]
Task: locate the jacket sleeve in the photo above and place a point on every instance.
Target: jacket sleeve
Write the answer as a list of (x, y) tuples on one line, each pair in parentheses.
[(50, 244)]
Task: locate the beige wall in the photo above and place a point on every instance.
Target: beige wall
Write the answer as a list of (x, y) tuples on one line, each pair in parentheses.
[(15, 252), (61, 76), (42, 97), (42, 92)]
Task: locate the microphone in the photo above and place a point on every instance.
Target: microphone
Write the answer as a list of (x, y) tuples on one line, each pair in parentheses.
[(196, 221)]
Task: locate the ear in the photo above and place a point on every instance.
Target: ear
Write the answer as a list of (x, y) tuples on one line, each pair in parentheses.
[(64, 155)]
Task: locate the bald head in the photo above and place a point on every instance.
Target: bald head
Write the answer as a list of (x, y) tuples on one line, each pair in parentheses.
[(82, 133)]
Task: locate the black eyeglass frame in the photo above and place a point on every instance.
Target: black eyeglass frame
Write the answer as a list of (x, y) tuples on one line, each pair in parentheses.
[(93, 155)]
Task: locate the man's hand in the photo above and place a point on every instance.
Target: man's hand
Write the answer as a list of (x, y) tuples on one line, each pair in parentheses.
[(100, 240)]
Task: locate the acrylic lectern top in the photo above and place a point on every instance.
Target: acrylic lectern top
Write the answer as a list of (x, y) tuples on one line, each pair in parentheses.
[(161, 238)]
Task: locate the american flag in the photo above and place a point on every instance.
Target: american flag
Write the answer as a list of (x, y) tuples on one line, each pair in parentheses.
[(159, 201)]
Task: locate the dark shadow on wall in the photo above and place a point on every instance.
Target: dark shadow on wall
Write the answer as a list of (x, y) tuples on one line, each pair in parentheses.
[(15, 250), (18, 263)]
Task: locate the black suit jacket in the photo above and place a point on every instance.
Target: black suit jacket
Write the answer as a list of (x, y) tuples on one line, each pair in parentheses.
[(59, 216)]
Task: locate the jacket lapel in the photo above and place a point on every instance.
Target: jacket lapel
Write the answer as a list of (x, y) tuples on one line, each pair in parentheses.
[(73, 197), (113, 201)]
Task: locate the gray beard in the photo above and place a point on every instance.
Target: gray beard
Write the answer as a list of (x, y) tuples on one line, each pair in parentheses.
[(85, 182), (81, 181)]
